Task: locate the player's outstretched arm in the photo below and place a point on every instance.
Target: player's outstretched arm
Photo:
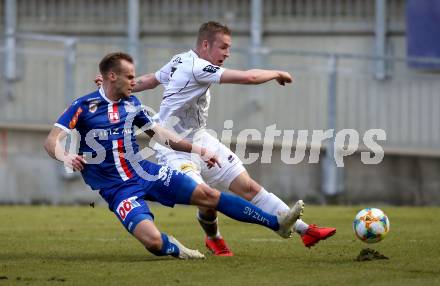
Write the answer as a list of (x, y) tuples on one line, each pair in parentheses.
[(54, 147), (143, 82), (171, 140), (146, 81), (255, 76)]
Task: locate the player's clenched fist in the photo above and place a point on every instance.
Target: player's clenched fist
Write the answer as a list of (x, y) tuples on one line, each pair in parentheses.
[(284, 77), (98, 80), (210, 158), (74, 161)]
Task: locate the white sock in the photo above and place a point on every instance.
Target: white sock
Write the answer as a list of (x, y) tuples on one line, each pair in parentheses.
[(300, 227), (269, 202)]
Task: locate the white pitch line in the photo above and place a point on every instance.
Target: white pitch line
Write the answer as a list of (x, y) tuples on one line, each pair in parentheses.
[(267, 240)]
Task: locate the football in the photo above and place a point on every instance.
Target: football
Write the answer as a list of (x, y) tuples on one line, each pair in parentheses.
[(371, 225)]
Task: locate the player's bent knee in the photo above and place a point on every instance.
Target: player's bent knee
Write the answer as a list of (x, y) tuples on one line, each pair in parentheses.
[(205, 196), (244, 186)]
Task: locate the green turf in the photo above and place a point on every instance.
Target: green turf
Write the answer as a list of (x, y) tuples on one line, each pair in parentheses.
[(87, 246)]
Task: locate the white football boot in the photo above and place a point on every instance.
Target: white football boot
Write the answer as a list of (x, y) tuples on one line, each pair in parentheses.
[(287, 219), (186, 253)]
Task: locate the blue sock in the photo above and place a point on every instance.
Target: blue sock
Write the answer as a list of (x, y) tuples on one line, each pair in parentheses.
[(242, 210), (168, 248)]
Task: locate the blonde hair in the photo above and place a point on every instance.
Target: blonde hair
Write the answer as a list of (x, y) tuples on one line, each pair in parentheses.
[(209, 30)]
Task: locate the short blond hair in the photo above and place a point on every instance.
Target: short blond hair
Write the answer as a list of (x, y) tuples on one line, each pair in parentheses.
[(209, 30)]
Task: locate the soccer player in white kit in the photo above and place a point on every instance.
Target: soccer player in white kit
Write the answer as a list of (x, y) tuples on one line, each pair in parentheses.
[(184, 107)]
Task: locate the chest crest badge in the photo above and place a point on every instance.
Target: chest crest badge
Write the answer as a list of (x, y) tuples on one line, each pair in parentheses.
[(93, 106), (113, 116)]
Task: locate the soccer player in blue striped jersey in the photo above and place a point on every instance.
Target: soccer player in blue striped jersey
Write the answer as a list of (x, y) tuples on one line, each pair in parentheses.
[(110, 162)]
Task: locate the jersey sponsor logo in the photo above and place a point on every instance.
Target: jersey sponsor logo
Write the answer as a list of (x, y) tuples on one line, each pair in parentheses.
[(74, 119), (126, 206), (165, 175), (211, 69), (177, 60), (93, 106), (98, 99), (105, 133)]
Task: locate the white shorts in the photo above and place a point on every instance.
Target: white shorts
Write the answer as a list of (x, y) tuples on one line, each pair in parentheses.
[(193, 166)]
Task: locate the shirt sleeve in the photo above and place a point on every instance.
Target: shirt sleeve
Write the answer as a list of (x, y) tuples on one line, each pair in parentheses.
[(206, 73), (69, 119), (163, 75)]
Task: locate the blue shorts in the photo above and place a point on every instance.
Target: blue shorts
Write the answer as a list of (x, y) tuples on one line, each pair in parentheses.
[(128, 201)]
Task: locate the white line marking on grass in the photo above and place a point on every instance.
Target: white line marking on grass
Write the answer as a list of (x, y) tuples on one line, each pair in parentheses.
[(70, 239), (266, 240)]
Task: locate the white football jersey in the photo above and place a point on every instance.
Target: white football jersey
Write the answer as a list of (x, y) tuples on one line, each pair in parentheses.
[(185, 102)]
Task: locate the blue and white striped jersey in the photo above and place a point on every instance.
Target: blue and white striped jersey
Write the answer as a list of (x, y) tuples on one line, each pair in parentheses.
[(107, 136)]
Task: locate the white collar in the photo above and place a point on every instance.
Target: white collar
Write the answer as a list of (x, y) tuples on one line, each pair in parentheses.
[(194, 53), (102, 92)]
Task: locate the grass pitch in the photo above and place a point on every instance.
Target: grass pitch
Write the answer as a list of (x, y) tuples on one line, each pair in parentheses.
[(88, 246)]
